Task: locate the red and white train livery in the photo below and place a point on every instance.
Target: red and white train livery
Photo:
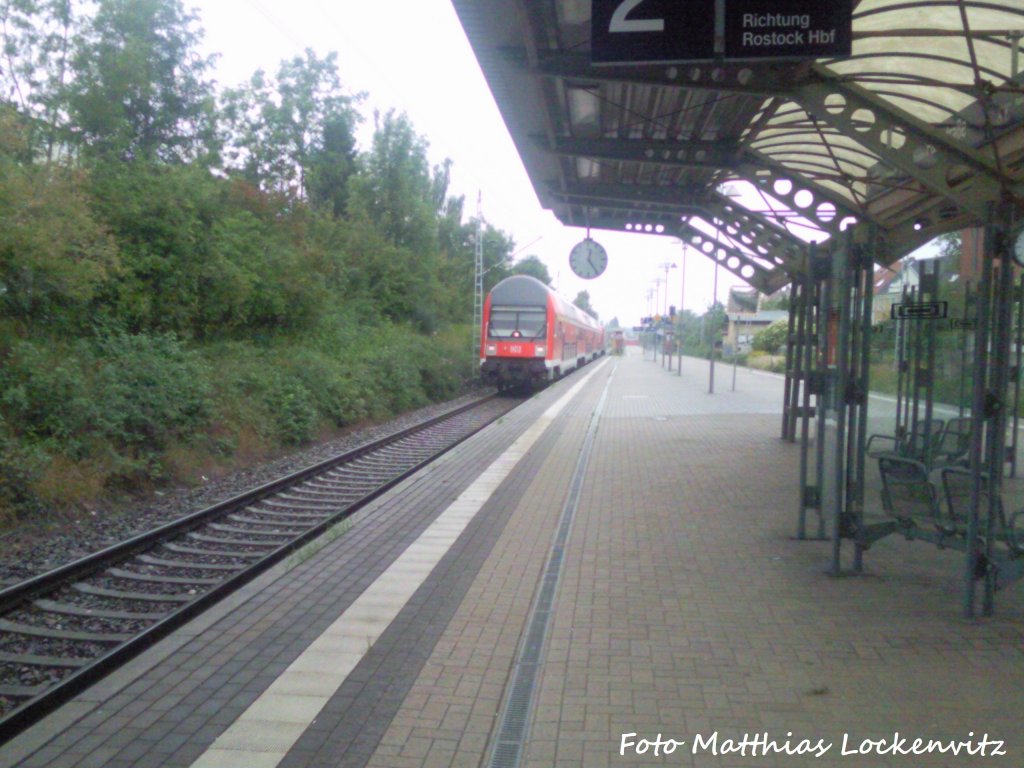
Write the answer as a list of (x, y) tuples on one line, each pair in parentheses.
[(532, 336)]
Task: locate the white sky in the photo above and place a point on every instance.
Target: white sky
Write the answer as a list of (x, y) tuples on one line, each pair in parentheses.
[(413, 56)]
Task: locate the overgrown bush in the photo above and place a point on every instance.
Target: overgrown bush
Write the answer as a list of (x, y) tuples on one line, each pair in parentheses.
[(121, 396), (772, 338), (293, 410), (150, 390), (122, 411), (20, 467)]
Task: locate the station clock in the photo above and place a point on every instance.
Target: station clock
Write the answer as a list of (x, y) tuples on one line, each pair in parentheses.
[(588, 259), (1018, 249)]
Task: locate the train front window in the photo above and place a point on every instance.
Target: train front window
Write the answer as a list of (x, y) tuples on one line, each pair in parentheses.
[(532, 324), (517, 324)]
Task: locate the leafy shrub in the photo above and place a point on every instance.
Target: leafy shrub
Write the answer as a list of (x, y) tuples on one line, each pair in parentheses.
[(20, 467), (293, 410), (150, 390), (772, 338), (122, 397), (341, 389), (44, 398)]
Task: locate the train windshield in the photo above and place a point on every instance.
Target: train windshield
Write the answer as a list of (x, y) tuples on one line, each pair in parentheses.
[(517, 324)]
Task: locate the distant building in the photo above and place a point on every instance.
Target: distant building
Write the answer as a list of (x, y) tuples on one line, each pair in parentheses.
[(739, 334), (889, 285), (742, 300)]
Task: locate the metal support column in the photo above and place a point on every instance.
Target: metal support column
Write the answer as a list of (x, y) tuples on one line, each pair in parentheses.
[(990, 413), (861, 301), (810, 352), (794, 356)]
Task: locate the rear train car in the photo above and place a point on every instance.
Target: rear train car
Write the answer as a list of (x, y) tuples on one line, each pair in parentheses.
[(532, 336)]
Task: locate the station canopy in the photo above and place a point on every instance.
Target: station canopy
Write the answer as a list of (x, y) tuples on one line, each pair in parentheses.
[(919, 132)]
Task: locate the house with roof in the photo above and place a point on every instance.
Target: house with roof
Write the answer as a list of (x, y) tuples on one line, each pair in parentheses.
[(889, 284), (743, 326)]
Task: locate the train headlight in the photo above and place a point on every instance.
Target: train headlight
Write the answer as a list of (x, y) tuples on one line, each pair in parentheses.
[(491, 349), (539, 350)]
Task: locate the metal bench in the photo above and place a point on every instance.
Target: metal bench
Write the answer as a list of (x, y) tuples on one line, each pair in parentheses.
[(921, 443), (957, 484), (910, 498)]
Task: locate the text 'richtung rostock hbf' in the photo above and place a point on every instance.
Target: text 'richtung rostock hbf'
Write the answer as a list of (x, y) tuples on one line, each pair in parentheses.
[(781, 29)]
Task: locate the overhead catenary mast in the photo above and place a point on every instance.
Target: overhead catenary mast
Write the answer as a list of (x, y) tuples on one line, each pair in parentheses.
[(478, 288)]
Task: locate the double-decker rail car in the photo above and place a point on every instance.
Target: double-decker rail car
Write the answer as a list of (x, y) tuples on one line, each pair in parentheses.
[(532, 336)]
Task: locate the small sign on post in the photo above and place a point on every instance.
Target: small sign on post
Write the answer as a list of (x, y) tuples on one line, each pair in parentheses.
[(920, 310)]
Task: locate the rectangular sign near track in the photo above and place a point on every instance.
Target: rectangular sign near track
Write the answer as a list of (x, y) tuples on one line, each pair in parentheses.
[(920, 310), (663, 31)]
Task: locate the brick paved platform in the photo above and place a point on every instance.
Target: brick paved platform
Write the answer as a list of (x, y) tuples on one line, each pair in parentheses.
[(684, 611)]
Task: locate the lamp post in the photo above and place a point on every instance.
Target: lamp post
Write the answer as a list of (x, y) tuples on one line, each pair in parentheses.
[(735, 350), (682, 303), (714, 303), (657, 300), (650, 314), (666, 266)]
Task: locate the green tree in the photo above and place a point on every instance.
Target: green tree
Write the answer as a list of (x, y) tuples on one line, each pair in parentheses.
[(457, 258), (688, 329), (37, 38), (714, 322), (295, 133), (772, 338), (534, 267), (396, 188), (582, 301), (140, 90), (55, 258), (396, 193)]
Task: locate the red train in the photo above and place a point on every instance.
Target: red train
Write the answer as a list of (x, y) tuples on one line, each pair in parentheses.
[(532, 336)]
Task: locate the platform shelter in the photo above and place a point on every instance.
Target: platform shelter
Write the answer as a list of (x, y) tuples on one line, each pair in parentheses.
[(809, 146)]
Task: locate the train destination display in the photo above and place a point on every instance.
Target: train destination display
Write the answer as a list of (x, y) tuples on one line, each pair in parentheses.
[(656, 31)]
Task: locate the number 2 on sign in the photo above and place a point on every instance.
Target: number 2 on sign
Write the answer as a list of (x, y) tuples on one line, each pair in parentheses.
[(620, 22)]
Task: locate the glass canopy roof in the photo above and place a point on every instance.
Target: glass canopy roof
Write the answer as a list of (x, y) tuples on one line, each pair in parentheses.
[(919, 132)]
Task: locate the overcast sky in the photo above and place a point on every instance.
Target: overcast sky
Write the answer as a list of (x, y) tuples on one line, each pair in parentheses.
[(413, 56)]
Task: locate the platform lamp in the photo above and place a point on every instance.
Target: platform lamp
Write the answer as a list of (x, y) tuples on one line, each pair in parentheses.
[(682, 303), (657, 300), (714, 301), (666, 266), (724, 191), (650, 314)]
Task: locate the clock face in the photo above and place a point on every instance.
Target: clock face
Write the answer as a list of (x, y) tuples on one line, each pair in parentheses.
[(588, 259)]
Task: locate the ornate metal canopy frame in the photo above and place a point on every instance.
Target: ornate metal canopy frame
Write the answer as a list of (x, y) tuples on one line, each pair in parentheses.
[(919, 132)]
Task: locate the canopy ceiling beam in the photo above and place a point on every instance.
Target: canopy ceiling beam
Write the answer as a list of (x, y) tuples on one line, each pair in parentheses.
[(926, 154), (712, 155), (760, 229), (734, 260), (673, 198), (763, 80)]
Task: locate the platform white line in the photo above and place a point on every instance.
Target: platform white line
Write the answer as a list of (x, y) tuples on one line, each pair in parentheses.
[(267, 730)]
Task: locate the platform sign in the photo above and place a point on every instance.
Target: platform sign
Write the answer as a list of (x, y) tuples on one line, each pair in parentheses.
[(649, 31), (775, 29), (663, 31)]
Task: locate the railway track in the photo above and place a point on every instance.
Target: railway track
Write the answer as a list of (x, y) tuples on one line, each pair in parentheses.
[(63, 630)]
